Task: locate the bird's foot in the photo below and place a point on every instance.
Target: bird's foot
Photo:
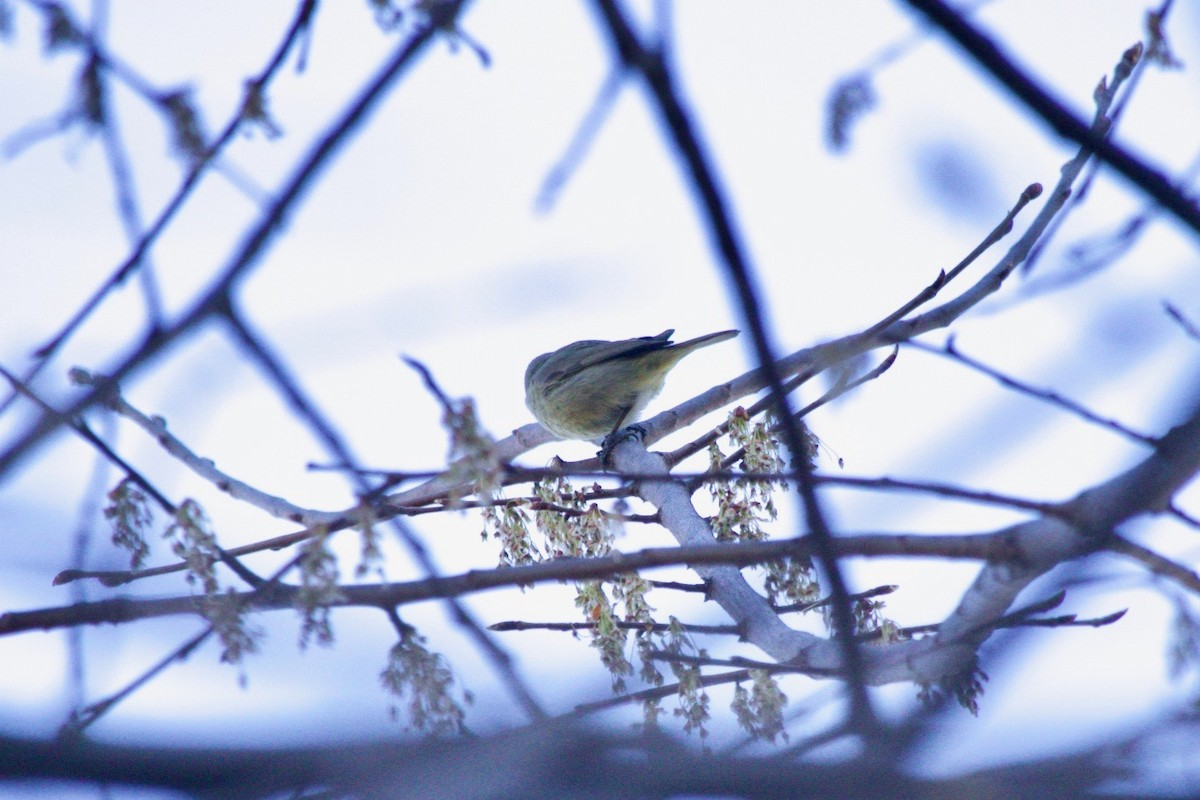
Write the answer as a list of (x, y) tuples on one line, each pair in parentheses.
[(635, 431)]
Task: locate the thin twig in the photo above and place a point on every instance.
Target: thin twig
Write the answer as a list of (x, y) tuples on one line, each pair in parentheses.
[(1045, 395), (660, 692), (205, 468), (256, 243), (87, 716), (1110, 105), (647, 627), (295, 33), (307, 409), (581, 142), (878, 591), (1028, 195), (685, 139), (992, 547), (1158, 564), (106, 452), (985, 53), (1189, 327)]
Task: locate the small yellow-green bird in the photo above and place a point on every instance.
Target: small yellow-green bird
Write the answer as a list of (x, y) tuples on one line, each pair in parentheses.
[(590, 389)]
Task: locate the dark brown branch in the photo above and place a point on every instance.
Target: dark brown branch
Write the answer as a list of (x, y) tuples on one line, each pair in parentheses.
[(662, 627), (989, 56), (555, 760), (646, 627), (386, 509), (661, 692), (701, 174), (274, 595), (83, 718)]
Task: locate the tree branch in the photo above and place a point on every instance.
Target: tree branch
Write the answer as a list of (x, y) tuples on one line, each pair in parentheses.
[(701, 174), (989, 56)]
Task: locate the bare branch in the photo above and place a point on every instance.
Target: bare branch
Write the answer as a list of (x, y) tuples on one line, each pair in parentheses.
[(156, 428), (1157, 564), (685, 138), (295, 33), (215, 299), (1056, 115), (1046, 395), (589, 127)]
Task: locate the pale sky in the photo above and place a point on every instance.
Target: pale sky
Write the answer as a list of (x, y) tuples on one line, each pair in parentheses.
[(423, 239)]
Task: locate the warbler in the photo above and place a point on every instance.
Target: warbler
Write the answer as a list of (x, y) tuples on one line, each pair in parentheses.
[(590, 389)]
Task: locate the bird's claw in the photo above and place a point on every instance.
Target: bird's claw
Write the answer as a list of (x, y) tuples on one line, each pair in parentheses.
[(634, 431)]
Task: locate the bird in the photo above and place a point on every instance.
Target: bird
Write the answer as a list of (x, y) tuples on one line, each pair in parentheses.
[(590, 389)]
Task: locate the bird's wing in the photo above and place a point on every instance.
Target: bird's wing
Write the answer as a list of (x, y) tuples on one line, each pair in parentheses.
[(607, 351)]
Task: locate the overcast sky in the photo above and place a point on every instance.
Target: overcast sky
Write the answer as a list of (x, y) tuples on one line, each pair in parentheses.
[(425, 239)]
